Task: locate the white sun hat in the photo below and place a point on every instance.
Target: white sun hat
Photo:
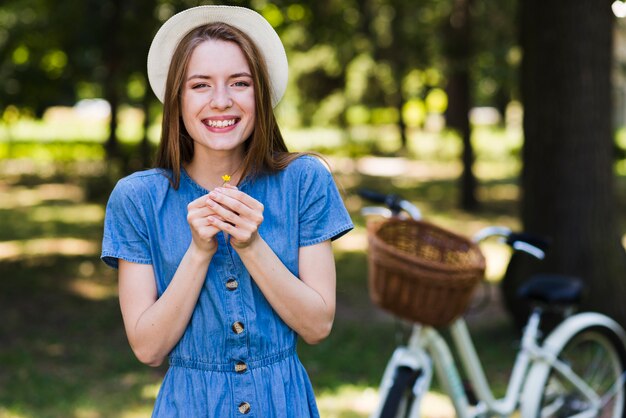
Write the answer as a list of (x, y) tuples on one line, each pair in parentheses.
[(246, 20)]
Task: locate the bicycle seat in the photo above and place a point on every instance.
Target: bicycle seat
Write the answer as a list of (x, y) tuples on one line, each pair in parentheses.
[(552, 289)]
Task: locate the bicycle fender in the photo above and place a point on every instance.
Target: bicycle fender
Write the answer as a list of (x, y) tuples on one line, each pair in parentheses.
[(557, 339), (553, 345), (402, 357)]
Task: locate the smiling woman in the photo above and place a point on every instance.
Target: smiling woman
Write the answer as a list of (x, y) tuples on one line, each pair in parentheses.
[(224, 250), (217, 102)]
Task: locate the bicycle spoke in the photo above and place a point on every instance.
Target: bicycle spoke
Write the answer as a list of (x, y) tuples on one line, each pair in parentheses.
[(549, 410), (615, 388), (585, 381)]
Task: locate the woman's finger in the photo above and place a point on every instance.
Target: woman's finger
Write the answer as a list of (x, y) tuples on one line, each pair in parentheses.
[(202, 212), (240, 196), (242, 232), (220, 201), (198, 203)]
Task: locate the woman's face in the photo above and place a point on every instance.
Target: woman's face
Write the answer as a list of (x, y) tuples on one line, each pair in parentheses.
[(218, 97)]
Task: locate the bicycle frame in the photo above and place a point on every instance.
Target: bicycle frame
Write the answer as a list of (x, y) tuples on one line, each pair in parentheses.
[(427, 350), (473, 367), (426, 343)]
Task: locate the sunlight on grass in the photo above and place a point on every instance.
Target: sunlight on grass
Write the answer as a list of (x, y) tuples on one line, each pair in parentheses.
[(63, 366), (434, 146), (11, 250), (497, 169), (383, 167), (496, 142), (300, 139), (93, 213), (150, 391), (21, 196), (5, 413), (86, 412), (69, 129), (500, 192), (139, 412), (67, 124), (436, 405), (404, 170), (88, 289), (352, 401), (348, 401)]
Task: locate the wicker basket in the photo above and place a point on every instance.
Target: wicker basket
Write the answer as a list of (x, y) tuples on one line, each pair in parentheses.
[(421, 272)]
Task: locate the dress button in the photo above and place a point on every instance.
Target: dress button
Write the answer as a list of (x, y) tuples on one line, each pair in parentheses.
[(237, 327), (232, 284), (240, 367), (244, 407)]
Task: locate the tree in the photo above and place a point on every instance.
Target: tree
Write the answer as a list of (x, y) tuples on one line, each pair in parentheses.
[(568, 179), (34, 66), (477, 38), (458, 51), (495, 67), (120, 38), (52, 48), (402, 46)]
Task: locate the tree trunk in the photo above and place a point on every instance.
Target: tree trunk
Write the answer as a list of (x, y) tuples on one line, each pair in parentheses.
[(112, 53), (458, 46), (112, 146), (567, 178), (145, 148), (402, 128)]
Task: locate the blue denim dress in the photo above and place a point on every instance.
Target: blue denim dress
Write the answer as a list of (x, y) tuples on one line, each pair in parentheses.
[(237, 356)]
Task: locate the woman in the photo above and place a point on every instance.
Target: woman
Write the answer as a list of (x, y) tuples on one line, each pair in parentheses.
[(222, 278)]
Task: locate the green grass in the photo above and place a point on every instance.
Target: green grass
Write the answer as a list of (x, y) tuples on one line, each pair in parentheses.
[(62, 347), (63, 351)]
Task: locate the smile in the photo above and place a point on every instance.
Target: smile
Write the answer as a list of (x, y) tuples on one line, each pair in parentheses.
[(220, 123)]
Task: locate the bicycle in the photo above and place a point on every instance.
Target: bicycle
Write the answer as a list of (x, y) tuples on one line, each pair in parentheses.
[(577, 370)]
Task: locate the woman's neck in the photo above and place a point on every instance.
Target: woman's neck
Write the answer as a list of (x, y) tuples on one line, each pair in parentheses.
[(210, 171)]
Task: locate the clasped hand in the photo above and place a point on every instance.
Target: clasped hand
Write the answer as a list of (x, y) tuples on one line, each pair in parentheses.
[(224, 209)]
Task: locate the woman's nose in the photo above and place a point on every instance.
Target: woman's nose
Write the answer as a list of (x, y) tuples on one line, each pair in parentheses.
[(221, 98)]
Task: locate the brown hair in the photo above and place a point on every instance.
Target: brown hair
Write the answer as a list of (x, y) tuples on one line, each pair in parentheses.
[(265, 149)]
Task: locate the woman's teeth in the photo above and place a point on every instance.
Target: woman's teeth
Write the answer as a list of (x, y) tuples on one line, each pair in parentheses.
[(220, 123)]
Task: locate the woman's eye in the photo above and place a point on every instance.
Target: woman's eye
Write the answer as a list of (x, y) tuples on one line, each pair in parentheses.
[(199, 86), (241, 84)]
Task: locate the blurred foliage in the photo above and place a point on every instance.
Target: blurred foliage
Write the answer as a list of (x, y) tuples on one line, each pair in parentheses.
[(352, 62), (74, 360), (63, 350)]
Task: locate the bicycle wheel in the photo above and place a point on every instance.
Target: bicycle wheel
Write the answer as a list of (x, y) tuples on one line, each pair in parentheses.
[(597, 356)]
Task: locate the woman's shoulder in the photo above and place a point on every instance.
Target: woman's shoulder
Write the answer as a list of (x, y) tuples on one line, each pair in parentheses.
[(303, 174), (308, 164), (142, 182)]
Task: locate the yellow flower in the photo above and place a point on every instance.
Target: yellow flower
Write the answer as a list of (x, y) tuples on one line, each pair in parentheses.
[(226, 178)]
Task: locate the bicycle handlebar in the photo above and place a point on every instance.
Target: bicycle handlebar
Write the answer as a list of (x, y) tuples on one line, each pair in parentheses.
[(519, 241), (536, 241), (393, 201)]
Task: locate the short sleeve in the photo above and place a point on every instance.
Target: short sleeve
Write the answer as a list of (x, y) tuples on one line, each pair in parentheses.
[(322, 214), (125, 233)]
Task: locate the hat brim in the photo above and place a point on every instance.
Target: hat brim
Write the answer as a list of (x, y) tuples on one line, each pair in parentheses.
[(248, 21)]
